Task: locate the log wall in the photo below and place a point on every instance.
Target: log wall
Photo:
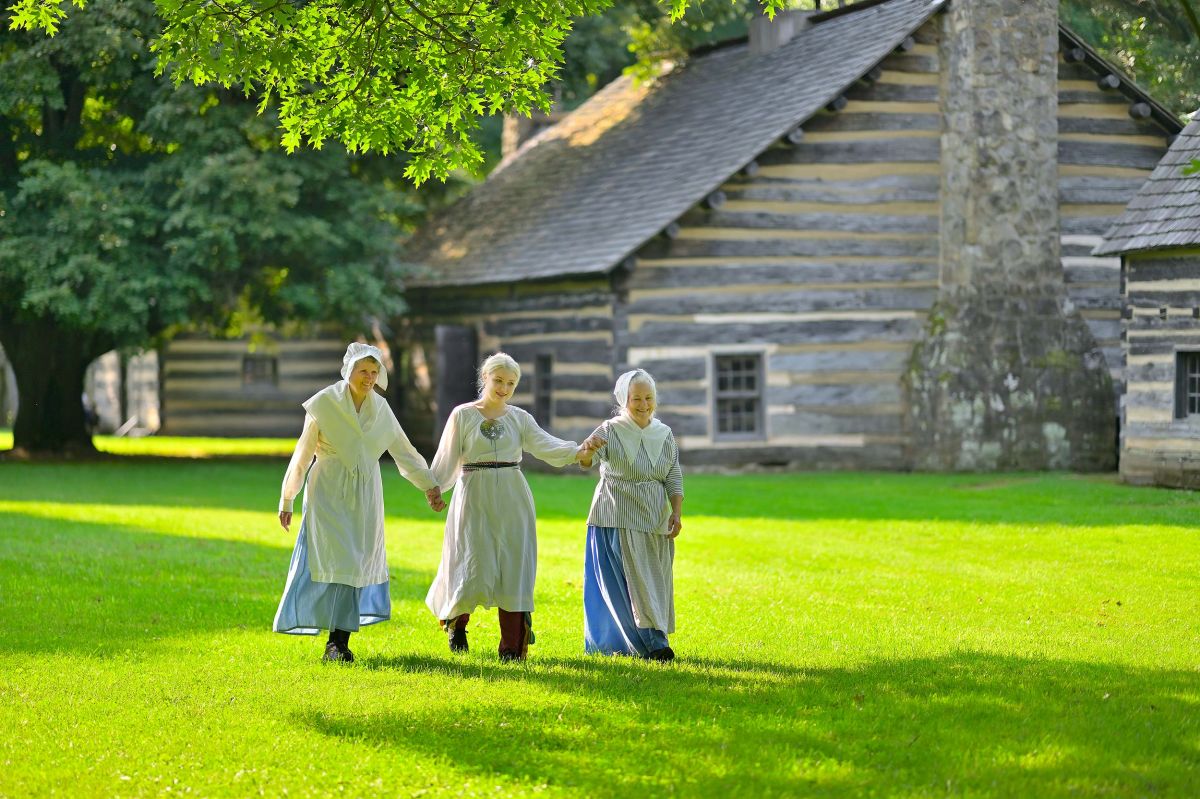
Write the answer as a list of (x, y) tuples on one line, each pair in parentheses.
[(1163, 297)]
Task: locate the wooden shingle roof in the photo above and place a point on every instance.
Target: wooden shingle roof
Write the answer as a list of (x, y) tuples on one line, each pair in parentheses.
[(585, 194), (1166, 210)]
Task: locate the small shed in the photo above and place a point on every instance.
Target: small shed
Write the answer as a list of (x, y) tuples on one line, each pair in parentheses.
[(1158, 239)]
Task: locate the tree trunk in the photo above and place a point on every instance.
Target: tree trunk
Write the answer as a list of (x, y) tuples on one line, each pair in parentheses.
[(50, 367)]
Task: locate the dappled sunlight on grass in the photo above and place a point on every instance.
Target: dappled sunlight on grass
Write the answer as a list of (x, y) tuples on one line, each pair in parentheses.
[(183, 446), (838, 635)]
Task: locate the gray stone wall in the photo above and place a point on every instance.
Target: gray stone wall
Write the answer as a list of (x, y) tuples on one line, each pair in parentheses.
[(1007, 375)]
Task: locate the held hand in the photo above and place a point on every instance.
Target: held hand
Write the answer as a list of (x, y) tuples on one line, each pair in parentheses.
[(674, 526), (434, 497), (583, 455), (593, 443), (285, 520)]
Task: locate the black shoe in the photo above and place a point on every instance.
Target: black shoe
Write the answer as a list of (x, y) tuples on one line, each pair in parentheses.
[(335, 653), (509, 656), (457, 638), (664, 655)]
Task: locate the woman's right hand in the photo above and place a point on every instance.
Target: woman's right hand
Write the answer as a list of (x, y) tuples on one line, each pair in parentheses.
[(285, 519)]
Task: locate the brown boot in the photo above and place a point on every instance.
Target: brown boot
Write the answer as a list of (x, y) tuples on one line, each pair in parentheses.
[(516, 634)]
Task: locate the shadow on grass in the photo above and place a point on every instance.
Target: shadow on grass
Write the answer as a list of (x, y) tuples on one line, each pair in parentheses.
[(967, 723), (104, 590)]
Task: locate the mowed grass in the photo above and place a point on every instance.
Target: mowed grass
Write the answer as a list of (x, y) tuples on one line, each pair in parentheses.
[(839, 635)]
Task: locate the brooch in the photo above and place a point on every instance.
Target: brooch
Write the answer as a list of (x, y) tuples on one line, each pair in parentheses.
[(491, 429)]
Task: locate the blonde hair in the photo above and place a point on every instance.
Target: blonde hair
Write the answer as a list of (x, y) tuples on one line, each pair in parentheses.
[(501, 360)]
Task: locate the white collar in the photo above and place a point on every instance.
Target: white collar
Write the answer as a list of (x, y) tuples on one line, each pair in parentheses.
[(633, 435)]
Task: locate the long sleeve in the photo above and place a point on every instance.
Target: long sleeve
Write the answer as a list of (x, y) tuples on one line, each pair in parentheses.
[(674, 478), (543, 446), (293, 478), (447, 463), (412, 466)]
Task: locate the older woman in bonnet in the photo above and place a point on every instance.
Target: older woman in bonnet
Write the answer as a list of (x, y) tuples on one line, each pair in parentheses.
[(489, 553), (628, 588), (338, 580)]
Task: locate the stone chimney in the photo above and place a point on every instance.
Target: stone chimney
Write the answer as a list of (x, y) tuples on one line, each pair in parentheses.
[(770, 34), (1007, 375)]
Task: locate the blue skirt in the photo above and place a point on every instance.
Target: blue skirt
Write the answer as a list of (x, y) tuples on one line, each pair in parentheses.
[(608, 625), (307, 607)]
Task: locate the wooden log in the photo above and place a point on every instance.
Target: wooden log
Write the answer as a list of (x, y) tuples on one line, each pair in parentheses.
[(1097, 190), (685, 424), (908, 44), (527, 326), (1141, 156), (848, 193), (848, 394), (676, 368), (1066, 96), (671, 231), (1106, 126), (815, 247), (1074, 55), (911, 62), (598, 409), (846, 222), (735, 274), (805, 423), (1140, 110), (784, 301), (828, 361), (600, 384), (751, 169), (852, 121), (795, 135), (596, 352), (837, 104), (1086, 225), (1109, 82), (864, 152), (893, 92), (714, 200), (665, 334)]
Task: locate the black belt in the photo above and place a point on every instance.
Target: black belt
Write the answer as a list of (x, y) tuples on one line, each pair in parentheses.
[(474, 467)]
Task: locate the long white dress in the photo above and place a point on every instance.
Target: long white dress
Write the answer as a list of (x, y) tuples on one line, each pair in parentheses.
[(489, 553), (338, 576)]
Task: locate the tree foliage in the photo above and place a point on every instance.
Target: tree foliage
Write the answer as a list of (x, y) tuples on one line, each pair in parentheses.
[(383, 75), (130, 207)]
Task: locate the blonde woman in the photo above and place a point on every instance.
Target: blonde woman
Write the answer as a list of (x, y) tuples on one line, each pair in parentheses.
[(489, 553), (338, 580), (628, 587)]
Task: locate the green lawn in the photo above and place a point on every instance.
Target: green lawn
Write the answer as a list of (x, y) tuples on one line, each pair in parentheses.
[(839, 635)]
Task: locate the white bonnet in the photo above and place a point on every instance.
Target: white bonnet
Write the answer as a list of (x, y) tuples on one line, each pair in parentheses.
[(621, 391), (355, 353)]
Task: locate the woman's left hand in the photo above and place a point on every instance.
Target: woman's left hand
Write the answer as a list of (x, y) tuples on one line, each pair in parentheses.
[(434, 497), (674, 526)]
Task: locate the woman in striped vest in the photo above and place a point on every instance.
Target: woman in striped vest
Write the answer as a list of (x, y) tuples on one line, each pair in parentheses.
[(628, 588)]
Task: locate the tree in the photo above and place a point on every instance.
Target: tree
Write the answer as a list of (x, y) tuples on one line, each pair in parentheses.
[(386, 75), (129, 208)]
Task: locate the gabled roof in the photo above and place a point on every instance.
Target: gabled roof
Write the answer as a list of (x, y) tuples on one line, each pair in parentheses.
[(1166, 210), (585, 194)]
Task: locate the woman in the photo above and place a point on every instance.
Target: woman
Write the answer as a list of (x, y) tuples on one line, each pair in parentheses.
[(628, 588), (489, 554), (338, 578)]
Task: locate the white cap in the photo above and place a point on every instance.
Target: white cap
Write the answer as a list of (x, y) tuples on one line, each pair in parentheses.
[(355, 353)]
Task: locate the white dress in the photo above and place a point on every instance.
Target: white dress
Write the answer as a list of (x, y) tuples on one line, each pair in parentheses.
[(489, 553), (344, 496)]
